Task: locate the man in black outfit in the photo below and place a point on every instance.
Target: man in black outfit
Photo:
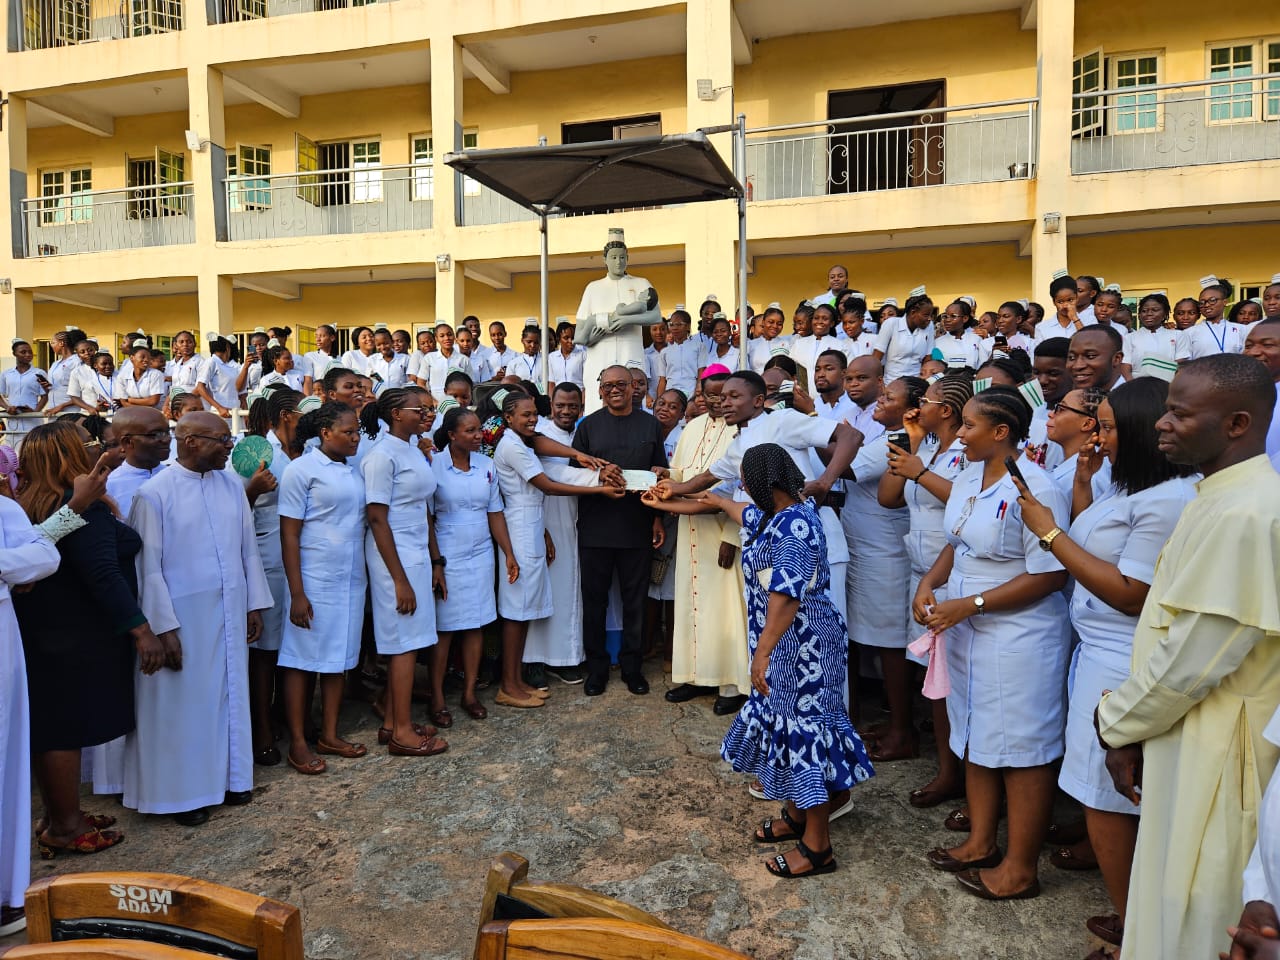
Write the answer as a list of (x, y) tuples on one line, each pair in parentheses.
[(617, 535)]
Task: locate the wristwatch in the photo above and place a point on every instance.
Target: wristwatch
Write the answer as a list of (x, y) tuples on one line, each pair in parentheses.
[(980, 602), (1046, 542), (440, 562)]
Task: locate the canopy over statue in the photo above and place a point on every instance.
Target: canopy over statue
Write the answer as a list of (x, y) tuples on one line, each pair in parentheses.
[(611, 317)]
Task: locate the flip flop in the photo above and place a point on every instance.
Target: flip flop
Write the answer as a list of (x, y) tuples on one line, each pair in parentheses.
[(311, 768)]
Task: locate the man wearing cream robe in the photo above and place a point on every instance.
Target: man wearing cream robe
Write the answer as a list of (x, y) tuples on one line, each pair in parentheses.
[(1188, 724), (200, 576), (710, 641)]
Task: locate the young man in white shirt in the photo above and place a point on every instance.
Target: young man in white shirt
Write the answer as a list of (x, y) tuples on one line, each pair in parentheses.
[(500, 355), (904, 342)]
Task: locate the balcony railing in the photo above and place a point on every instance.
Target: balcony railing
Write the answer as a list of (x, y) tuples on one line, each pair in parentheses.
[(893, 151), (481, 205), (1227, 120), (325, 202), (64, 23), (94, 220), (232, 11)]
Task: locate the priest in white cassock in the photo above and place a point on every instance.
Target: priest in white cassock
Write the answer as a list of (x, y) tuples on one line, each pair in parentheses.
[(612, 316), (557, 640), (201, 584)]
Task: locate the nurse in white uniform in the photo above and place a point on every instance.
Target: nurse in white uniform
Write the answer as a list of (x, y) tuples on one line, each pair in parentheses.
[(524, 485), (322, 527), (1111, 552), (921, 480), (398, 486), (1007, 646), (879, 568), (467, 508)]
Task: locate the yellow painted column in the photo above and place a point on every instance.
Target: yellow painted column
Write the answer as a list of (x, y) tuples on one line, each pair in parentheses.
[(17, 319), (16, 309), (446, 133), (1055, 26), (450, 295), (711, 265), (208, 164), (213, 297)]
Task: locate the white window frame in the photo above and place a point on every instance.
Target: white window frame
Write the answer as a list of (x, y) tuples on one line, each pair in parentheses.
[(421, 154), (1095, 112), (252, 190), (1136, 104), (60, 207), (366, 174), (1259, 94)]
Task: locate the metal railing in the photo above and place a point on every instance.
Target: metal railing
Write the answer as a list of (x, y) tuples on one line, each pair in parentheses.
[(893, 151), (233, 11), (481, 205), (92, 220), (1224, 120), (63, 23), (324, 202)]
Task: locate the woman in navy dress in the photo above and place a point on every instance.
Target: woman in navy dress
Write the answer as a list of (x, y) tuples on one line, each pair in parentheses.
[(794, 732)]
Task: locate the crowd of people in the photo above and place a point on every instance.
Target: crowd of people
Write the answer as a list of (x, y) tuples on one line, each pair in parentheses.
[(1059, 527)]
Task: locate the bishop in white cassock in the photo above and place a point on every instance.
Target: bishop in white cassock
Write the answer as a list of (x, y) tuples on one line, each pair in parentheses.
[(200, 579)]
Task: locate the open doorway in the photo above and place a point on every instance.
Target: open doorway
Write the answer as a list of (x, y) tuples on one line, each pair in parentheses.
[(886, 154)]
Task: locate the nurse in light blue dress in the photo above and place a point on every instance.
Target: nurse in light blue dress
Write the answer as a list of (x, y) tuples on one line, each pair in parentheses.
[(274, 417), (1007, 645), (1111, 552), (322, 529), (920, 479), (398, 487), (467, 508)]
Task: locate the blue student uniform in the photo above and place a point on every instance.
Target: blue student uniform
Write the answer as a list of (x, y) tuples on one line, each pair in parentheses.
[(1128, 531), (396, 474), (328, 497), (1008, 668), (461, 505), (266, 527), (529, 598)]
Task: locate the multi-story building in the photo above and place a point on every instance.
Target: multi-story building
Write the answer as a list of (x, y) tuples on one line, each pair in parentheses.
[(243, 163)]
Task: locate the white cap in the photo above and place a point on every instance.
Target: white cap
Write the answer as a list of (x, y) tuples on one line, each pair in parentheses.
[(273, 342), (775, 305), (309, 403), (718, 315), (17, 340), (1208, 281), (379, 326), (635, 365), (973, 304), (140, 342), (711, 296), (1026, 304), (1112, 287), (259, 329), (1059, 274), (679, 306), (211, 335), (890, 302), (1275, 279), (1102, 282), (561, 319), (917, 291), (858, 293)]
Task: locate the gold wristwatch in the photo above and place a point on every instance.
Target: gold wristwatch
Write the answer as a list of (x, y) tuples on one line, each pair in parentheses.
[(1046, 542)]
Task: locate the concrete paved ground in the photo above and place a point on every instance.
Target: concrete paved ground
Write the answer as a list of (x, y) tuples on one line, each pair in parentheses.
[(386, 856)]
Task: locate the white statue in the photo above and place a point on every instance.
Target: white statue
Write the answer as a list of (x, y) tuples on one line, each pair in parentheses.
[(614, 311)]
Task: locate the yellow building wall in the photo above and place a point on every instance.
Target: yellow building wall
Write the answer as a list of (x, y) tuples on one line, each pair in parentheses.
[(137, 137), (154, 315), (1175, 260), (983, 57), (990, 273), (1180, 29)]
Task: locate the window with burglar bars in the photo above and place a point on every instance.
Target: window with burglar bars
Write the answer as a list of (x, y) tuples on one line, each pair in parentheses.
[(1243, 100), (64, 196)]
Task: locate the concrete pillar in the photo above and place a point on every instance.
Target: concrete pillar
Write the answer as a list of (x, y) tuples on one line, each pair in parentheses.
[(450, 295), (710, 248), (213, 299), (13, 160), (1054, 29), (446, 133), (17, 319), (207, 118)]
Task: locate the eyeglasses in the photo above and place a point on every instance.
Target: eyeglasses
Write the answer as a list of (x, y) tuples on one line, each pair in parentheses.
[(226, 439), (1204, 300), (616, 385), (939, 403), (1059, 407), (417, 409), (156, 435)]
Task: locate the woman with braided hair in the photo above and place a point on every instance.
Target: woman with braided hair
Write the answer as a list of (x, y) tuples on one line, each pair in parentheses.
[(1007, 647), (794, 733), (398, 489), (322, 531)]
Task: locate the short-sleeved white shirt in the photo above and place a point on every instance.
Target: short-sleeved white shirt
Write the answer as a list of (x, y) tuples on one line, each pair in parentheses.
[(903, 348)]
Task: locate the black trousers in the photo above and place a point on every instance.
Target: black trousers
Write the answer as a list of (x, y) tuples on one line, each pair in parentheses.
[(598, 565)]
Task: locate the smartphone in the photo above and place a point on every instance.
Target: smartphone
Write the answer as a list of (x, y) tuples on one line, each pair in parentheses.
[(900, 440), (1012, 466)]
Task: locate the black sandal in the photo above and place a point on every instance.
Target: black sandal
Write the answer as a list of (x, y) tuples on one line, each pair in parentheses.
[(797, 830), (780, 868)]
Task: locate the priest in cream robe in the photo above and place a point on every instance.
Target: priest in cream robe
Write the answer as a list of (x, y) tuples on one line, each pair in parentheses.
[(1188, 725), (611, 318), (557, 640), (200, 580), (709, 647), (1259, 922)]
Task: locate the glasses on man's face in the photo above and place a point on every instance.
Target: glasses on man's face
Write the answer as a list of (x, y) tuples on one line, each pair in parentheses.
[(225, 440), (156, 435), (614, 386)]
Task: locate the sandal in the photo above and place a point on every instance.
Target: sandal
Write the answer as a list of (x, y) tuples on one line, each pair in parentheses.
[(766, 828), (924, 798), (1064, 858), (91, 841), (310, 768), (475, 710), (421, 729), (99, 821), (780, 868), (426, 747), (442, 718), (349, 750)]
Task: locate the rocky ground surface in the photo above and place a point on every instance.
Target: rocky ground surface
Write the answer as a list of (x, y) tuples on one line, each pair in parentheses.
[(386, 856)]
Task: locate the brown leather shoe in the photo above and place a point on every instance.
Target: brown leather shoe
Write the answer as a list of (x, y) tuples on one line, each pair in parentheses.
[(1108, 928), (506, 700), (971, 882), (427, 747), (421, 729), (942, 860)]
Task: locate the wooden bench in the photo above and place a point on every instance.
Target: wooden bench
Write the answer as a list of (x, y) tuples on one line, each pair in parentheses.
[(592, 939), (99, 950), (162, 908)]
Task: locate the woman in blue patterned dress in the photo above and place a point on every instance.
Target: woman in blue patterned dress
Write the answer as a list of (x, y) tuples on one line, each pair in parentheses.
[(794, 732)]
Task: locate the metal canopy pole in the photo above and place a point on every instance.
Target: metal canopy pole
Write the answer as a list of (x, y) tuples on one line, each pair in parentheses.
[(740, 161), (544, 270)]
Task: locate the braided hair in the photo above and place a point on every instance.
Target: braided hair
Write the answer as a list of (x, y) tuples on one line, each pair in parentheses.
[(915, 387), (449, 424), (955, 391), (322, 418), (382, 408), (1005, 405)]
